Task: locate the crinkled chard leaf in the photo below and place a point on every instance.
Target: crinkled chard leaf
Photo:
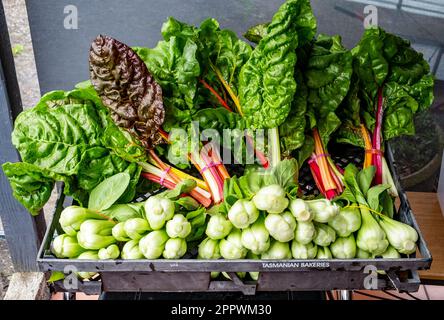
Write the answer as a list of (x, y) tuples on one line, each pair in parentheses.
[(219, 119), (210, 45), (306, 30), (99, 163), (175, 67), (195, 53), (328, 74), (266, 81), (127, 88), (292, 131), (69, 137), (350, 114), (31, 185), (350, 134), (383, 60), (56, 137), (256, 33)]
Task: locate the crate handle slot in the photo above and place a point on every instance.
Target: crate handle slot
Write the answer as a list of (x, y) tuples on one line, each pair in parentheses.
[(410, 285)]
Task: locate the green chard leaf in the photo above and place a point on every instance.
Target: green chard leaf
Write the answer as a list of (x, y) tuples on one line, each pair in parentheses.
[(31, 185), (327, 74), (219, 119), (175, 67), (266, 81), (186, 54), (306, 27), (349, 134), (306, 149), (383, 60), (257, 32), (328, 124), (292, 131), (69, 137), (56, 138), (349, 113)]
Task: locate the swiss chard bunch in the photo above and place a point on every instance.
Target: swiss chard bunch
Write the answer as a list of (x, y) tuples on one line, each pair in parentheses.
[(327, 72), (327, 75), (394, 83)]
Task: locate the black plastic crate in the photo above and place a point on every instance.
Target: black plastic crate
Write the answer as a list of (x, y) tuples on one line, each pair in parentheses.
[(192, 275)]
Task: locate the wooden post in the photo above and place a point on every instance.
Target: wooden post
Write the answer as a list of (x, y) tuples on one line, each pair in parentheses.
[(28, 286), (22, 231)]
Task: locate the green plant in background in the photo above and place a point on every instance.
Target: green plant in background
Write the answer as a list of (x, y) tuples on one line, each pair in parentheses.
[(17, 49)]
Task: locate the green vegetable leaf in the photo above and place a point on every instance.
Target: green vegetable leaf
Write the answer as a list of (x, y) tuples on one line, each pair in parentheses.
[(56, 138), (213, 49), (98, 163), (306, 27), (373, 195), (31, 185), (86, 91), (286, 174), (188, 203), (185, 186), (106, 193), (383, 60), (388, 207), (328, 74), (197, 219), (349, 134), (347, 196), (56, 276), (349, 112), (365, 178), (253, 180), (351, 183), (306, 150), (122, 143), (175, 66), (256, 33), (228, 55), (234, 191), (266, 81), (328, 124), (123, 212), (219, 119), (292, 131), (69, 137)]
